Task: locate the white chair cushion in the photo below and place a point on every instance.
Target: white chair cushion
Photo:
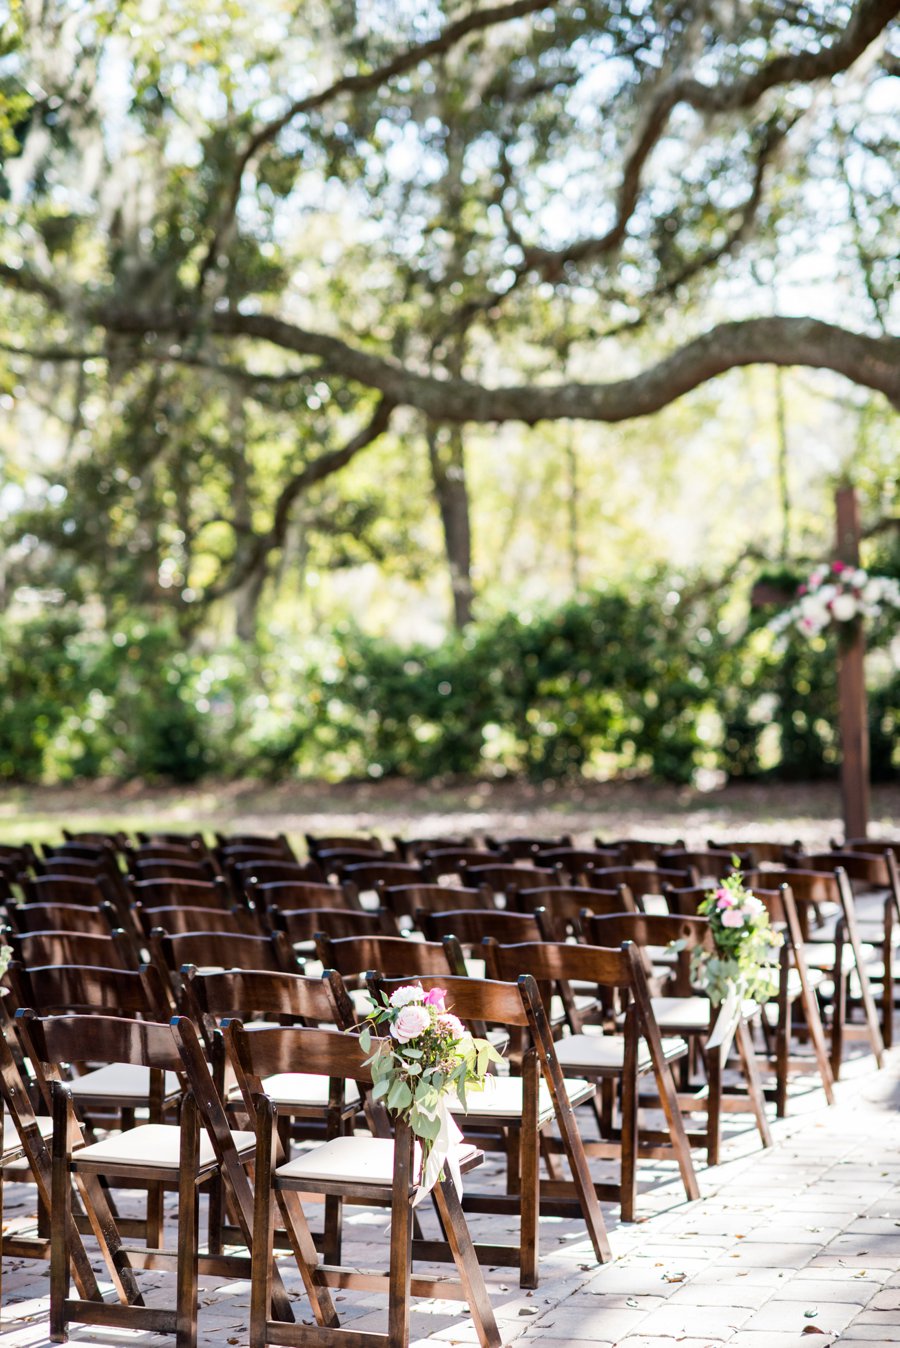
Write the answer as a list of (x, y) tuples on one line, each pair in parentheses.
[(823, 954), (363, 1160), (300, 1089), (11, 1140), (605, 1053), (125, 1084), (156, 1144), (502, 1096), (682, 1013)]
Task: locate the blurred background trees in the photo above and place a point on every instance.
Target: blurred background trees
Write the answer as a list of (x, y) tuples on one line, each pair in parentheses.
[(279, 282)]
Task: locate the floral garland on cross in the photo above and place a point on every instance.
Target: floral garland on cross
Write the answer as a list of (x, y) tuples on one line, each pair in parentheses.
[(427, 1057), (839, 596), (744, 963)]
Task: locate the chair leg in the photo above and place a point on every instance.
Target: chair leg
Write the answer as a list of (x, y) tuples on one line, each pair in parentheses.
[(713, 1106), (61, 1205), (470, 1274), (838, 1015), (530, 1174), (755, 1091), (628, 1175), (401, 1240), (334, 1212), (782, 1054), (262, 1252), (188, 1226)]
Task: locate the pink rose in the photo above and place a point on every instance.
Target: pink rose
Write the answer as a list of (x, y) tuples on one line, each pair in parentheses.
[(839, 567), (435, 998), (451, 1025), (732, 917), (412, 1021), (802, 589), (724, 899)]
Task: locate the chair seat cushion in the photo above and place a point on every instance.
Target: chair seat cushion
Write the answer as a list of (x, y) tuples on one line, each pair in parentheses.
[(605, 1053), (502, 1097), (683, 1014), (156, 1144), (125, 1084), (11, 1140), (823, 955), (304, 1090), (356, 1160)]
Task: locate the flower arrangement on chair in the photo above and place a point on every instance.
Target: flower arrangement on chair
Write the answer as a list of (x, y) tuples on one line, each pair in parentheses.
[(427, 1056), (838, 595), (745, 960)]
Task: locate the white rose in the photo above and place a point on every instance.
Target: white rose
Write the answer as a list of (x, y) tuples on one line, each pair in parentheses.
[(412, 992), (859, 579), (844, 608)]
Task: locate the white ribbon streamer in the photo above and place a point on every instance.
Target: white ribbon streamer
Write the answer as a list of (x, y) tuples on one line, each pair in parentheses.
[(444, 1152)]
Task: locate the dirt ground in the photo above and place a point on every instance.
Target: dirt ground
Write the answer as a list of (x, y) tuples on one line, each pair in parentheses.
[(810, 812)]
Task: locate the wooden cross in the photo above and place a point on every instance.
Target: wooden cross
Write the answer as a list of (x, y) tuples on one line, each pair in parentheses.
[(854, 718), (853, 714)]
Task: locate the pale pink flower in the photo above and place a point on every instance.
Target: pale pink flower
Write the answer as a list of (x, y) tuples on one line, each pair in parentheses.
[(410, 992), (412, 1021), (724, 899), (436, 997), (732, 917), (451, 1025)]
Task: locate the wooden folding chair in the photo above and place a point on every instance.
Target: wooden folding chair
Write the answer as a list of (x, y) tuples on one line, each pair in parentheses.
[(680, 1011), (150, 1152), (797, 987), (104, 1093), (25, 1136), (299, 1097), (405, 901), (524, 1109), (836, 948), (378, 1170), (622, 1057)]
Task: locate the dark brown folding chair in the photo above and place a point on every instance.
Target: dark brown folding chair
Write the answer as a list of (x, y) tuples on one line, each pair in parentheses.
[(173, 893), (151, 1152), (523, 847), (708, 866), (219, 950), (835, 946), (636, 850), (405, 901), (25, 917), (558, 908), (525, 1109), (623, 1057), (299, 1096), (679, 1010), (507, 878), (296, 894), (376, 1170), (302, 925), (26, 1136), (447, 860), (364, 877), (411, 849)]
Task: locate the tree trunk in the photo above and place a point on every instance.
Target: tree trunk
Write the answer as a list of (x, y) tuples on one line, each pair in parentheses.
[(446, 453), (246, 604)]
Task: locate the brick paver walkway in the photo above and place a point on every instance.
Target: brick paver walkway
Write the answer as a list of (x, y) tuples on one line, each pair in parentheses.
[(796, 1246)]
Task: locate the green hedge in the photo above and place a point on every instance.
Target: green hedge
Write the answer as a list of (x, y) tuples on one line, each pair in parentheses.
[(628, 681)]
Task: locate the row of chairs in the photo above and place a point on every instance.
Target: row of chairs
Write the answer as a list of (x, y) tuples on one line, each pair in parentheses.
[(483, 915)]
